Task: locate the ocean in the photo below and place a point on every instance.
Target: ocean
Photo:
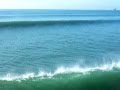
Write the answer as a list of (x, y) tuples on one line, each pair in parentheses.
[(59, 50)]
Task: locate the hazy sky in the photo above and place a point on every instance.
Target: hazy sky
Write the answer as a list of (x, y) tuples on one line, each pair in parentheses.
[(59, 4)]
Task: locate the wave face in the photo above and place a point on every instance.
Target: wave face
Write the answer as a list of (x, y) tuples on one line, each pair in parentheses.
[(96, 80), (99, 78), (103, 77), (54, 50)]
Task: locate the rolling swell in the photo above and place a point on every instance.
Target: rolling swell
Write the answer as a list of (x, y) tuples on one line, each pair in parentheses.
[(52, 22)]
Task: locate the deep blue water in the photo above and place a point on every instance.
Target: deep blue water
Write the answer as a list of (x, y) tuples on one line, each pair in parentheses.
[(52, 43)]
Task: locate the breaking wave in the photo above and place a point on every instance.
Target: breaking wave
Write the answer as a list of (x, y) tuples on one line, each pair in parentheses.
[(76, 69)]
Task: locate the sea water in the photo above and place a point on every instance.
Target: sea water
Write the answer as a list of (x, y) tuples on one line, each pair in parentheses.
[(59, 49)]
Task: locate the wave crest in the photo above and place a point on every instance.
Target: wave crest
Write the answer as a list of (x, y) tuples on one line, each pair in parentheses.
[(62, 70), (50, 22)]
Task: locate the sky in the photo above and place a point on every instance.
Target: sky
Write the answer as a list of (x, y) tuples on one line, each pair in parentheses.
[(60, 4)]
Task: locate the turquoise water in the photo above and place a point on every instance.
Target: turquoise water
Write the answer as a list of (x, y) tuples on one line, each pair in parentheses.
[(59, 49)]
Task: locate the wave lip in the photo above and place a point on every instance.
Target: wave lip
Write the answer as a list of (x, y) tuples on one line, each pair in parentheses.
[(78, 69), (62, 70)]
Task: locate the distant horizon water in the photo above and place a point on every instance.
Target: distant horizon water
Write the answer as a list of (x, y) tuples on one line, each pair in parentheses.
[(61, 9)]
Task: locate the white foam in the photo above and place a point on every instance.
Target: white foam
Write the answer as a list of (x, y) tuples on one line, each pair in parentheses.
[(62, 70), (10, 77)]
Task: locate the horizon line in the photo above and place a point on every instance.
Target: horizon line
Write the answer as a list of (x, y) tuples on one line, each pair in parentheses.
[(114, 9)]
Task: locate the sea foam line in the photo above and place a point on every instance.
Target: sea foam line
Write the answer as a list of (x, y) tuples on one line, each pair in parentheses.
[(62, 70)]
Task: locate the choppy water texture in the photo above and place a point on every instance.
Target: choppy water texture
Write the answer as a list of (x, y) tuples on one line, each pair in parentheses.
[(59, 49)]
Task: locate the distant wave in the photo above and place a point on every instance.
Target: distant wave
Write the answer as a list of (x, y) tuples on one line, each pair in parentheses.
[(50, 22), (76, 69)]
